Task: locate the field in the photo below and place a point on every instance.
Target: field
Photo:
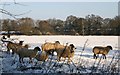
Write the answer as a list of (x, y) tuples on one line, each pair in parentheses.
[(82, 62)]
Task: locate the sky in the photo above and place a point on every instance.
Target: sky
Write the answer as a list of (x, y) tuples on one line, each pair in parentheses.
[(60, 10)]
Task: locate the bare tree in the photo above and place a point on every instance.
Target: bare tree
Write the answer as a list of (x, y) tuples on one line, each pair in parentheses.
[(6, 24)]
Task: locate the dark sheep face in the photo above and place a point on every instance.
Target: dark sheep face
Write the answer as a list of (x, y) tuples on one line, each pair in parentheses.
[(26, 46), (110, 47), (8, 35), (57, 42), (4, 37), (37, 48), (21, 42), (72, 48)]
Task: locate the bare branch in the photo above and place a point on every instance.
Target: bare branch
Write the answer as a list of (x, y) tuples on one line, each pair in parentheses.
[(23, 13), (4, 4), (19, 3), (2, 10), (7, 13)]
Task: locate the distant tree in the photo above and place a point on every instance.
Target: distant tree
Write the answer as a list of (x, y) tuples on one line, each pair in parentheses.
[(69, 27), (117, 26), (105, 26), (6, 25), (45, 27), (114, 25), (57, 25), (36, 31), (93, 24), (88, 24), (78, 25), (14, 25), (26, 25), (98, 21)]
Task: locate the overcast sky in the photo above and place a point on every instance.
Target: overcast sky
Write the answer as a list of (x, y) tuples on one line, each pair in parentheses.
[(60, 10)]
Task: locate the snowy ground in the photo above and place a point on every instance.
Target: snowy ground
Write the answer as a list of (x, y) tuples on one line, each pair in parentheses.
[(82, 62)]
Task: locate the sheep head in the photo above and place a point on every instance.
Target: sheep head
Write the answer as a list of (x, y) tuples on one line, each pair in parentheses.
[(21, 42), (26, 46), (57, 42), (72, 48), (110, 47), (37, 49)]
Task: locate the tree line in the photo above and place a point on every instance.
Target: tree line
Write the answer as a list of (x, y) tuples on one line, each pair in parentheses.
[(90, 25)]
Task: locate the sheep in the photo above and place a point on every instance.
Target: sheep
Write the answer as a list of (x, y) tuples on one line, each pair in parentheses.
[(15, 46), (65, 51), (24, 52), (62, 51), (101, 50), (49, 47)]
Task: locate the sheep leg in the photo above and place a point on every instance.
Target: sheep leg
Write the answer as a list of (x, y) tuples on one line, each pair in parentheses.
[(64, 59), (8, 51), (58, 58), (97, 56), (30, 60), (94, 56), (20, 59), (104, 56), (13, 52), (52, 52), (68, 61)]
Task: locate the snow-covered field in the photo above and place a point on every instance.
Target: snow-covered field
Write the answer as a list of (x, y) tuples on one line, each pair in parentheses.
[(82, 62)]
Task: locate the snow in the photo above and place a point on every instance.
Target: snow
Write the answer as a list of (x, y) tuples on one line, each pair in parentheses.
[(82, 62)]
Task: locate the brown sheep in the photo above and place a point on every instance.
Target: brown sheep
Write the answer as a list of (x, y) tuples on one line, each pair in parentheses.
[(101, 50), (65, 51), (31, 53), (49, 47), (62, 51), (15, 46), (42, 56)]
